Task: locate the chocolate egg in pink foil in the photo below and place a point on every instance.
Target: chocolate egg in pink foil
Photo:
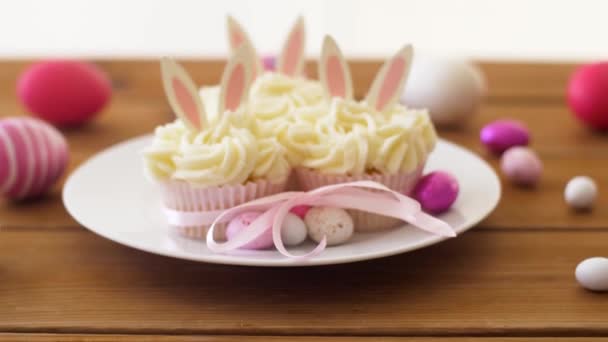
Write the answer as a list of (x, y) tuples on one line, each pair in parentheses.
[(33, 155), (500, 135), (242, 222), (436, 192)]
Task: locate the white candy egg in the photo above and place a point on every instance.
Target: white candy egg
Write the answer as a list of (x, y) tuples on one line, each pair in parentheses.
[(592, 274), (580, 192), (334, 223), (450, 89), (293, 230)]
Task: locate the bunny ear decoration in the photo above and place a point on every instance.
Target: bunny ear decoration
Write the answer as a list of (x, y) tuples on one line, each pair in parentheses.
[(182, 94), (236, 79), (237, 37), (389, 81), (334, 72), (291, 60)]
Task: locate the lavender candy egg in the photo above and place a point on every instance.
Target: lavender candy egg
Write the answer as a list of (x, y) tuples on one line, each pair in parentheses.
[(436, 192), (333, 223), (33, 155), (521, 165), (500, 135), (241, 222)]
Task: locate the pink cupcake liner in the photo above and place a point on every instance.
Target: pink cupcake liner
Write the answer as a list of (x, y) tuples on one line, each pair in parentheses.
[(364, 221), (182, 196)]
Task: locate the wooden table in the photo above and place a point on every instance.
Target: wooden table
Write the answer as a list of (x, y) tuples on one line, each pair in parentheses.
[(509, 279)]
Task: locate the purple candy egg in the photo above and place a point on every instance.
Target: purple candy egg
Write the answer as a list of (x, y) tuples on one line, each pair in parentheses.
[(436, 192), (500, 135), (241, 222), (269, 62), (521, 165)]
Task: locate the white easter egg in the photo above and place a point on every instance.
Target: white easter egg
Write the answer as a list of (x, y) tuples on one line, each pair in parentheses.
[(293, 230), (580, 192), (334, 223), (451, 89), (592, 274)]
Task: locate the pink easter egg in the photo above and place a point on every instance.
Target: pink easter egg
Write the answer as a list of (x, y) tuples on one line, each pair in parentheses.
[(241, 222), (586, 94), (436, 192), (500, 135), (300, 210), (33, 155), (64, 92), (521, 165), (269, 62)]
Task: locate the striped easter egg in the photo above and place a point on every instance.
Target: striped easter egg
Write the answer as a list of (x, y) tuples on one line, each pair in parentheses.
[(33, 155)]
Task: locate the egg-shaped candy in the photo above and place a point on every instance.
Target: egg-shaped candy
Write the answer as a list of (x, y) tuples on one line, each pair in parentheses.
[(586, 94), (33, 155), (592, 274), (451, 89), (500, 135), (580, 192), (300, 210), (293, 230), (242, 222), (436, 192), (334, 223), (521, 166), (269, 62), (64, 92)]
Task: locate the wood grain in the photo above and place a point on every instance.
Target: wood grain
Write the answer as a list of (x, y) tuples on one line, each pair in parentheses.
[(488, 283)]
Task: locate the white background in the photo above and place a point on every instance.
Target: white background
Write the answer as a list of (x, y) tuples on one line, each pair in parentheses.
[(486, 29)]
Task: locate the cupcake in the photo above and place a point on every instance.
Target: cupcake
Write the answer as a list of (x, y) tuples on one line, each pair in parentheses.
[(375, 139), (204, 165)]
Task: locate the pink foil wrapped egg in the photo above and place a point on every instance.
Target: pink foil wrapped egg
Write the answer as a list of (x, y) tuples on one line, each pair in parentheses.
[(436, 192), (500, 135), (586, 94), (64, 92), (240, 223), (33, 155), (521, 165)]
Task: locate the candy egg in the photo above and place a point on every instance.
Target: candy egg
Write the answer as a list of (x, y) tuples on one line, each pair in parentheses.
[(334, 223), (241, 222), (450, 89), (586, 94), (436, 192), (269, 62), (64, 93), (293, 230), (500, 135), (521, 165), (33, 155), (300, 210), (592, 274), (580, 192)]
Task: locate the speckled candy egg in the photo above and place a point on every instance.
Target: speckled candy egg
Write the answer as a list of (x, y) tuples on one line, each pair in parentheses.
[(451, 89), (586, 94), (242, 222), (436, 192), (521, 166), (592, 274), (500, 135), (63, 92), (334, 223), (293, 230), (33, 155), (580, 192)]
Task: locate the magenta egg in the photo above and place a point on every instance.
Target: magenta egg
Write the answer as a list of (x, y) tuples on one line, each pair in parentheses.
[(587, 91), (300, 210), (500, 135), (33, 155), (64, 92), (521, 165), (241, 222), (436, 192), (269, 62)]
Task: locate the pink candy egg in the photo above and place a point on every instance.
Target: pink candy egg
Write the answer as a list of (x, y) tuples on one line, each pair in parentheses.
[(33, 155), (240, 223), (521, 165), (500, 135), (436, 192), (64, 93), (269, 62), (300, 210), (587, 91)]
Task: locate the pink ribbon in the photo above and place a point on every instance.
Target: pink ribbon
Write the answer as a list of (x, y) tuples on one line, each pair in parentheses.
[(354, 195)]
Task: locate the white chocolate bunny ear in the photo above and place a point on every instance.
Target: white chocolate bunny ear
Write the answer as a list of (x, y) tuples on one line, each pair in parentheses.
[(389, 81), (291, 60), (237, 36), (236, 79), (334, 72), (182, 94)]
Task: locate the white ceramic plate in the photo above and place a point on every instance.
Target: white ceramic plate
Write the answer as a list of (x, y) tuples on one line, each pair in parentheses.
[(109, 195)]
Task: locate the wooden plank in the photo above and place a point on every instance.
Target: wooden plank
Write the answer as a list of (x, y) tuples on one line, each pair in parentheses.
[(488, 282)]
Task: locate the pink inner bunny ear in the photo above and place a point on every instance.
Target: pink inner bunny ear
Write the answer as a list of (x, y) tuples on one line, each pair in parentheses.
[(237, 37), (182, 94), (335, 77), (389, 82), (235, 88), (333, 71), (291, 61), (236, 80)]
